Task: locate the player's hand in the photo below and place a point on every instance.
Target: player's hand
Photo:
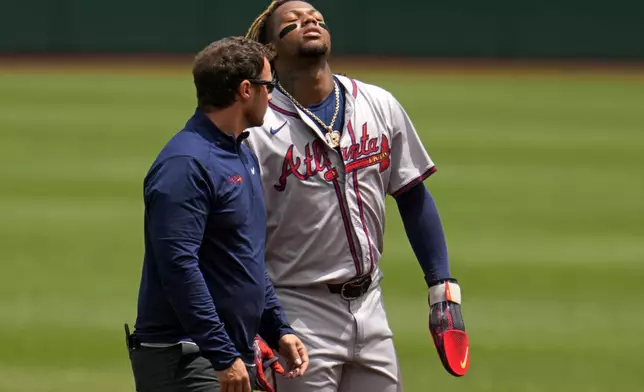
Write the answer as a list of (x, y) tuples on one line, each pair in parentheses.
[(235, 378), (447, 327), (296, 355)]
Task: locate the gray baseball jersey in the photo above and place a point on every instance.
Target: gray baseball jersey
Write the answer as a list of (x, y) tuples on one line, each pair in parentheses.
[(326, 208)]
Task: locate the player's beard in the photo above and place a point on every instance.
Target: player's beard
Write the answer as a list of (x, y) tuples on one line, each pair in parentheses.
[(312, 51)]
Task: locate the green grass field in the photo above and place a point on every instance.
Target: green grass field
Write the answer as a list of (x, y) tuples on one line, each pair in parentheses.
[(540, 184)]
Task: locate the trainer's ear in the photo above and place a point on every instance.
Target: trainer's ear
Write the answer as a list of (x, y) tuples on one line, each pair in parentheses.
[(244, 90)]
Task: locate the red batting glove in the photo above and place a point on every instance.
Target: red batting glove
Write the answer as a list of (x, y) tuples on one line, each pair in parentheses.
[(447, 327), (266, 362)]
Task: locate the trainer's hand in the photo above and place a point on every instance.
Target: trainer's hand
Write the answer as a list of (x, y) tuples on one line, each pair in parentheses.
[(235, 378), (293, 351)]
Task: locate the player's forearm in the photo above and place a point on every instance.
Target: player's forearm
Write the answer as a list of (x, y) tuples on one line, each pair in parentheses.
[(274, 324), (425, 232)]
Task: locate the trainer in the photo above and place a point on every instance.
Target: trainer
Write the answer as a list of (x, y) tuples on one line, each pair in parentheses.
[(205, 294)]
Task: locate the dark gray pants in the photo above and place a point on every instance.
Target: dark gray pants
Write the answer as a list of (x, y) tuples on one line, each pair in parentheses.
[(179, 368)]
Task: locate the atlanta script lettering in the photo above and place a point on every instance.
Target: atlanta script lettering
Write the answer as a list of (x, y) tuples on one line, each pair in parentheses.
[(363, 153)]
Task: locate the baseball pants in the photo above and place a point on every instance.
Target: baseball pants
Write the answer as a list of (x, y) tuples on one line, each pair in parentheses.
[(350, 343)]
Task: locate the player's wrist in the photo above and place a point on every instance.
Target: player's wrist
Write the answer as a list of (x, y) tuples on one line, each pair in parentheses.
[(433, 281), (444, 290)]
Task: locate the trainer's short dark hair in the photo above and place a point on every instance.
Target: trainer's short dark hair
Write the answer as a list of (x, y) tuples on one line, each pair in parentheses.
[(221, 66)]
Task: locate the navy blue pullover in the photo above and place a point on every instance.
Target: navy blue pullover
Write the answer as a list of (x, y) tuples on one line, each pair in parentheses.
[(204, 278)]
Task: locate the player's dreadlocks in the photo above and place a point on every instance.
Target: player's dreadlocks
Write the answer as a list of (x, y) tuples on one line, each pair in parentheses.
[(257, 30)]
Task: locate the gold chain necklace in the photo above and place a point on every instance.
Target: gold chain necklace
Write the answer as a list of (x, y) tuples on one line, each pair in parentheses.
[(332, 136)]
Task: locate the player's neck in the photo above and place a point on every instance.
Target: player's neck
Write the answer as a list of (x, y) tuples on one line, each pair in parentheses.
[(308, 85), (229, 121)]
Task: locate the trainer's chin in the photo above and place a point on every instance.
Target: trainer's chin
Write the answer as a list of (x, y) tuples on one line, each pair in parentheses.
[(313, 50), (255, 119), (256, 122)]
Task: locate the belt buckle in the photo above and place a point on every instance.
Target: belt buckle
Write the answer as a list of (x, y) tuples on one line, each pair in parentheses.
[(357, 284), (342, 290)]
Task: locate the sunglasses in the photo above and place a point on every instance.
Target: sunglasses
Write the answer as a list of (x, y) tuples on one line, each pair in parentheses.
[(270, 84)]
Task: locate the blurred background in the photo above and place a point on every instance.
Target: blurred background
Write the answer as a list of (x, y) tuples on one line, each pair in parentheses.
[(532, 111)]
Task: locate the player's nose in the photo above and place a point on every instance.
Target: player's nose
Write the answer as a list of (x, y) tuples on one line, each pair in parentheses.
[(309, 19)]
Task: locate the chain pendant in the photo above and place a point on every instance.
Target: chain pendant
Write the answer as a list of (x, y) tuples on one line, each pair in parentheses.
[(333, 138)]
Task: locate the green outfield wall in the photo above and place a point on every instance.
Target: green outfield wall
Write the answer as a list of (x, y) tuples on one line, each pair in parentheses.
[(466, 28)]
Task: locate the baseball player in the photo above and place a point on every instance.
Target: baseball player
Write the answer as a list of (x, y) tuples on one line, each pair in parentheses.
[(331, 149)]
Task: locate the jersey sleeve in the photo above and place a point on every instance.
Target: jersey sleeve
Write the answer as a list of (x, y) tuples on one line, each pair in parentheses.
[(410, 162)]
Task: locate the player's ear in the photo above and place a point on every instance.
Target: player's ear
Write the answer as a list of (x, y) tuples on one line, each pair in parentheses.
[(271, 49)]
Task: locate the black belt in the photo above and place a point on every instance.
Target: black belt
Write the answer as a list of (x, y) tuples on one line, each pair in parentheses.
[(353, 288)]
